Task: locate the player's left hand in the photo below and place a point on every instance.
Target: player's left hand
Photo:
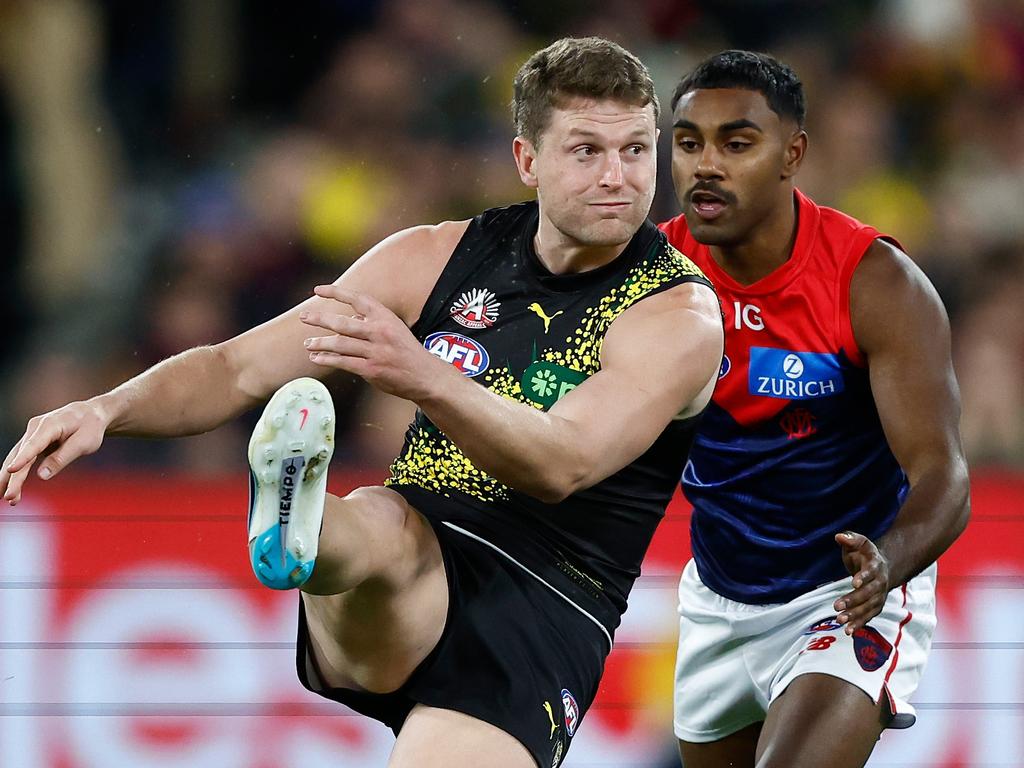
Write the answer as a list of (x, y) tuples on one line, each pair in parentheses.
[(870, 571), (373, 343)]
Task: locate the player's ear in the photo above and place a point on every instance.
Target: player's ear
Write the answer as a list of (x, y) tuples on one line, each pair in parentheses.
[(795, 150), (526, 157)]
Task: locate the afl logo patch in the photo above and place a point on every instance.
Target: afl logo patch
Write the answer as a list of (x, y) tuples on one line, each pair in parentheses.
[(572, 712), (825, 625), (475, 309), (467, 355), (725, 367)]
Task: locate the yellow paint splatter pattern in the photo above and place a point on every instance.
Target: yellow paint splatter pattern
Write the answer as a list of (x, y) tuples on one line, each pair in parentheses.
[(583, 352), (432, 461)]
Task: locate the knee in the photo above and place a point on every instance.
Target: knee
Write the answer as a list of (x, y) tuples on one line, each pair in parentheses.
[(398, 539), (377, 508)]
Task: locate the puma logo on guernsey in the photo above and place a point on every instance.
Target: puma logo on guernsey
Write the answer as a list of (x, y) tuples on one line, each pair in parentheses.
[(539, 311)]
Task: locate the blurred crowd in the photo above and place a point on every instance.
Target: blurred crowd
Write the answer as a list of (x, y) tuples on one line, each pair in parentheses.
[(174, 172)]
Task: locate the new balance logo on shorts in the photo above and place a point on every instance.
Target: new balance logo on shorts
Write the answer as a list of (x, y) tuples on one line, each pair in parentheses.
[(821, 643)]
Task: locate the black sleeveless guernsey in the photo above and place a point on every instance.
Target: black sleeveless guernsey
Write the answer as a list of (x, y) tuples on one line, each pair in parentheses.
[(501, 317)]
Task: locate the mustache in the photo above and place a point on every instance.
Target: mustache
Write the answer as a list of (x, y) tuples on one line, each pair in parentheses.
[(711, 188)]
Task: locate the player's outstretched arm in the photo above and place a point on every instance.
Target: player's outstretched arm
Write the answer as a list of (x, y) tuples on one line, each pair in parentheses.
[(659, 358), (200, 389), (901, 327)]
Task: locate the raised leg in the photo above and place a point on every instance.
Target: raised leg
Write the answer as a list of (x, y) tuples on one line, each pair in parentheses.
[(377, 600), (369, 565)]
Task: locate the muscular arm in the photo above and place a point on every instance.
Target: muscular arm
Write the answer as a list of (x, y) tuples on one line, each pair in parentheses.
[(659, 358), (609, 419), (901, 327), (200, 389)]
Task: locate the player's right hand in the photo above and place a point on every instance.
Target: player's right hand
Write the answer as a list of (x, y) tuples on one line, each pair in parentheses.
[(59, 437)]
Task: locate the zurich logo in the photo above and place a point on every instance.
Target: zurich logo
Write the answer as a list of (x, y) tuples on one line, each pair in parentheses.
[(793, 367), (464, 353), (790, 375)]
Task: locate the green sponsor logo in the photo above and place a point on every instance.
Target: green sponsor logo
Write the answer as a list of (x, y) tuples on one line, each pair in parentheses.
[(546, 383)]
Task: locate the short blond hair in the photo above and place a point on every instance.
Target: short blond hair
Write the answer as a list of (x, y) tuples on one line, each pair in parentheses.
[(590, 67)]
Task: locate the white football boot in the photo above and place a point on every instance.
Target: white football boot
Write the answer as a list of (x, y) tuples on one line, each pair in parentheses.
[(289, 451)]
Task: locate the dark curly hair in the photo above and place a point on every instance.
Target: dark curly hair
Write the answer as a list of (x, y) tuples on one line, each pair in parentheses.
[(751, 71)]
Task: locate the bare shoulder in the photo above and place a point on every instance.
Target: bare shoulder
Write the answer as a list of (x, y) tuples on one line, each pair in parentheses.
[(425, 240), (688, 312), (889, 291), (401, 269), (690, 297), (696, 297), (669, 345), (884, 263)]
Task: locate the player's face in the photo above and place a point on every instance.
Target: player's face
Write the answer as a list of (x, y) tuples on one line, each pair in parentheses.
[(594, 170), (730, 156)]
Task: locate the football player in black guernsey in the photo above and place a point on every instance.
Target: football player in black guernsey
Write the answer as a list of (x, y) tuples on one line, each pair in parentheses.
[(559, 351)]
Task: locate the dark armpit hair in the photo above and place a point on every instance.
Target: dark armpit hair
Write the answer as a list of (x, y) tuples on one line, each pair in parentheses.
[(590, 67), (750, 71)]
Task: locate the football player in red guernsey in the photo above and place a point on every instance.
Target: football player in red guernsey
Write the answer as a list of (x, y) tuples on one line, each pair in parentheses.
[(827, 475)]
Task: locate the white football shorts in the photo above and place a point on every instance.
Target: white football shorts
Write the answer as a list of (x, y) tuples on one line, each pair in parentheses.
[(735, 659)]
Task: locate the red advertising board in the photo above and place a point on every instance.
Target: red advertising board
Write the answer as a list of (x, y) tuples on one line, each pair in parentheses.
[(132, 633)]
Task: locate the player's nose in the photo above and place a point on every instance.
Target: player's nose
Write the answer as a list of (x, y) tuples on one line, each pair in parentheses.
[(611, 175), (708, 164)]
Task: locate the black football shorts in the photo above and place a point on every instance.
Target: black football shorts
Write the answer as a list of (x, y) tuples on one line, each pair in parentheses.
[(515, 652)]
